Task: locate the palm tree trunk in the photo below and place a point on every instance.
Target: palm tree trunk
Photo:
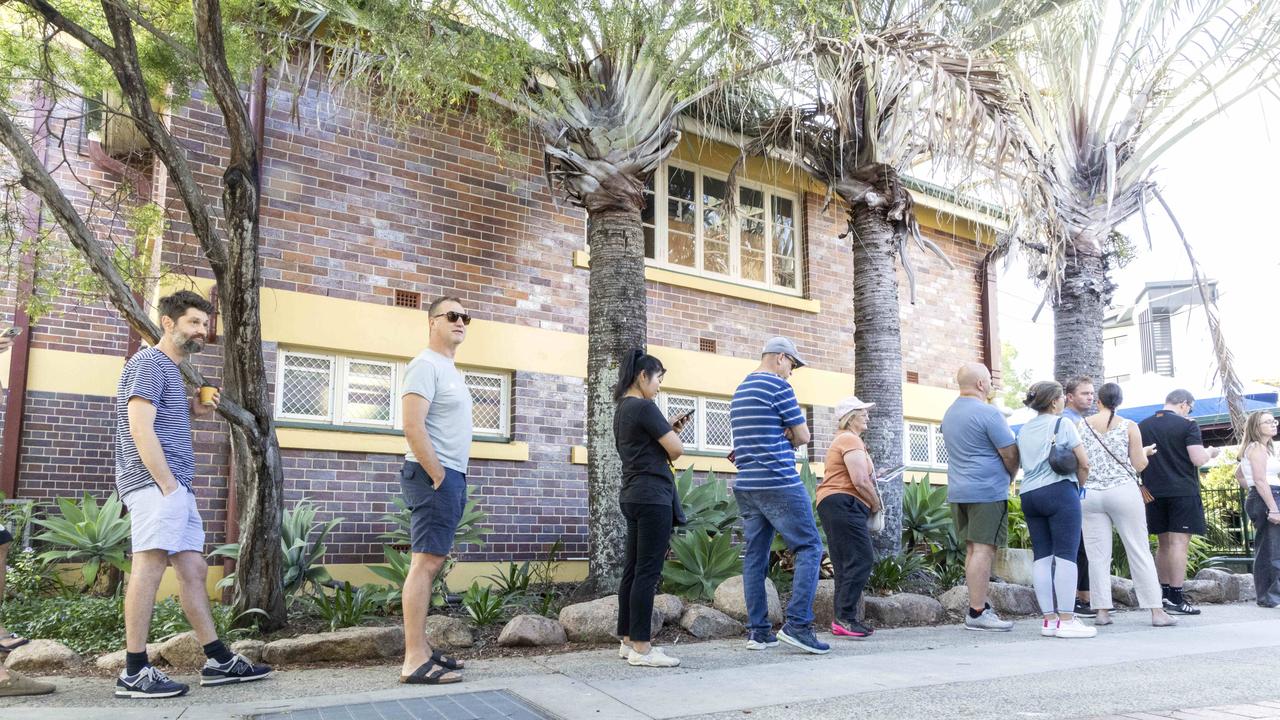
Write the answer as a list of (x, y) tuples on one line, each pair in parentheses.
[(877, 363), (617, 323), (1083, 297)]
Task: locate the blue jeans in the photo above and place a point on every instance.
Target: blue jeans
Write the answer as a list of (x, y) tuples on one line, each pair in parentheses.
[(788, 512)]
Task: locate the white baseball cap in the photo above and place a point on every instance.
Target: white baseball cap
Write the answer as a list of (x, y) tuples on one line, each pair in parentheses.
[(850, 404)]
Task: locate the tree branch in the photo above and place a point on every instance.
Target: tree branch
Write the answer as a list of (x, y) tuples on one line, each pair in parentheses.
[(36, 178), (80, 33), (211, 54)]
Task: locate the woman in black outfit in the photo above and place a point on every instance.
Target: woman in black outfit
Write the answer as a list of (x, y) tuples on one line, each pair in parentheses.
[(647, 443)]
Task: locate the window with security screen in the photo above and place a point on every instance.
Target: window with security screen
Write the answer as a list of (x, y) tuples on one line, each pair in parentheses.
[(334, 390), (490, 402), (924, 446), (709, 430)]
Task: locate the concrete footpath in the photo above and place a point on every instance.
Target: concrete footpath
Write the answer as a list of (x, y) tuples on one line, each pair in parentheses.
[(1230, 655)]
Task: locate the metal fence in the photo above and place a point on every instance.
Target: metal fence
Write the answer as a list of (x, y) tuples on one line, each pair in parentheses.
[(1230, 532)]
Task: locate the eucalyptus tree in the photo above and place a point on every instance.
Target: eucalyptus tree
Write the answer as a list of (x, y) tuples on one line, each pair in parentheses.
[(1104, 90), (59, 53), (882, 88)]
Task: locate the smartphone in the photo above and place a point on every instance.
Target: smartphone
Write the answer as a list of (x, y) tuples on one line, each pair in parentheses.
[(12, 332), (681, 418)]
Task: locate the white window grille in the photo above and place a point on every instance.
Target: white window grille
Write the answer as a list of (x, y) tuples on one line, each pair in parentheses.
[(363, 392), (717, 430), (304, 387), (490, 402), (924, 446), (686, 228)]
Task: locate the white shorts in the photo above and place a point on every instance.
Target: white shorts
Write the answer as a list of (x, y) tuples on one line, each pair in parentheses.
[(165, 522)]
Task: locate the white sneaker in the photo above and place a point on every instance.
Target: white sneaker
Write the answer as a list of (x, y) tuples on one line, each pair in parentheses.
[(1050, 627), (623, 650), (654, 658), (1073, 628)]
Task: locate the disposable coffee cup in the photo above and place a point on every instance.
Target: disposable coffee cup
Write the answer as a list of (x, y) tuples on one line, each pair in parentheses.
[(206, 394)]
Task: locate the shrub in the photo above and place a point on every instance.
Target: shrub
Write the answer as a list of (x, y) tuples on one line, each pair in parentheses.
[(513, 582), (345, 606), (896, 573), (302, 553), (29, 577), (169, 620), (84, 623), (926, 517), (92, 535), (395, 572), (699, 563), (709, 507), (1019, 534), (484, 606)]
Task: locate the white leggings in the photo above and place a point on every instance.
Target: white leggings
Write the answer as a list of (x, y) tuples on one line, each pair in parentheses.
[(1120, 507)]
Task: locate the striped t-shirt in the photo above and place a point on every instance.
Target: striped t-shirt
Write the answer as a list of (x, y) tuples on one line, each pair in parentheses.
[(152, 376), (763, 406)]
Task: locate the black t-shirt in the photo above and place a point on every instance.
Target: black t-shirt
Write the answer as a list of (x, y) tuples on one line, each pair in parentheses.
[(1170, 472), (646, 472)]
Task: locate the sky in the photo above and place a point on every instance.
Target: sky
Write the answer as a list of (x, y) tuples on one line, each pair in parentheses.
[(1221, 184)]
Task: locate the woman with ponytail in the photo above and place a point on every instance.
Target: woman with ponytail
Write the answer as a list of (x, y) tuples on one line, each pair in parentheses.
[(647, 443), (1114, 499)]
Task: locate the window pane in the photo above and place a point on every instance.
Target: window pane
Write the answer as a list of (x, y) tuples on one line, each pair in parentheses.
[(751, 254), (681, 213), (715, 231), (678, 405), (305, 386), (646, 218), (940, 447), (783, 245), (918, 444), (369, 392), (487, 407), (719, 432)]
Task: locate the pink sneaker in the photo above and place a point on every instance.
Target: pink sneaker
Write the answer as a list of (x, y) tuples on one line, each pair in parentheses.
[(1050, 627), (850, 629)]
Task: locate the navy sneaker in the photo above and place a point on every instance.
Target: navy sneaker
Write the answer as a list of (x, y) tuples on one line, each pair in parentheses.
[(761, 640), (148, 683), (236, 670), (803, 639)]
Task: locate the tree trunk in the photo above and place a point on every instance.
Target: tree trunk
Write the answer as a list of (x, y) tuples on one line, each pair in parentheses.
[(617, 324), (877, 363), (1083, 297), (259, 475)]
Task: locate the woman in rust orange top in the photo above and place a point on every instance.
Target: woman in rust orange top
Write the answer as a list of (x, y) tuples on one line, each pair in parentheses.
[(846, 498)]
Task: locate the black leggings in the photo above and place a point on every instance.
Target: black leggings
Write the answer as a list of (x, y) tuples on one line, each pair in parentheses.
[(648, 536), (844, 519)]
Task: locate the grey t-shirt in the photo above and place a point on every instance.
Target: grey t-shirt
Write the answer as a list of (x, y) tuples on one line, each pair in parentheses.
[(1033, 450), (436, 378), (974, 433)]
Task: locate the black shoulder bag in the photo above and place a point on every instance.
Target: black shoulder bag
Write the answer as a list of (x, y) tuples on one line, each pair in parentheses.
[(1062, 460)]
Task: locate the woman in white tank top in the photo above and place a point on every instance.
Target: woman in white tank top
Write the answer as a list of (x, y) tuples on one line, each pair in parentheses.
[(1260, 468)]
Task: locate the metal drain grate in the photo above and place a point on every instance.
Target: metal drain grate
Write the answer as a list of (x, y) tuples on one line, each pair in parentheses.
[(486, 705)]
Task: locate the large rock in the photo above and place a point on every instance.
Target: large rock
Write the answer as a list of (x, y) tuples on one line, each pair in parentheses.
[(824, 604), (597, 621), (532, 630), (730, 600), (1010, 599), (183, 652), (43, 656), (1245, 589), (670, 607), (1123, 591), (250, 649), (1230, 590), (704, 622), (448, 633), (903, 610), (1203, 591), (1005, 598), (1013, 565), (116, 661), (363, 643)]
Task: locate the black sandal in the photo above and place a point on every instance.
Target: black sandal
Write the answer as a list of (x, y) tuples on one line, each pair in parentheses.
[(446, 661), (424, 675), (10, 648)]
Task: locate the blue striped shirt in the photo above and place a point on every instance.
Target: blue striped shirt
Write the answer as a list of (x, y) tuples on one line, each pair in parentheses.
[(763, 406), (152, 376)]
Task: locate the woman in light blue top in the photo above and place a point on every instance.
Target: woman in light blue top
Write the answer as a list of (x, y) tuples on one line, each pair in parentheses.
[(1051, 506)]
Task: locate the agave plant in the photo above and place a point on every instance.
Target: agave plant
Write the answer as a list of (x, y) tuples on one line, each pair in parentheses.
[(302, 540), (710, 507), (89, 534), (699, 562)]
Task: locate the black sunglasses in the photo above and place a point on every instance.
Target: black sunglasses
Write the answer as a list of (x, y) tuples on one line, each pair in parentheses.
[(453, 317)]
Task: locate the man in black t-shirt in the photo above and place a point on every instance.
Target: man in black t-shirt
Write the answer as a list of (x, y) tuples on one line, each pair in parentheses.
[(1173, 477)]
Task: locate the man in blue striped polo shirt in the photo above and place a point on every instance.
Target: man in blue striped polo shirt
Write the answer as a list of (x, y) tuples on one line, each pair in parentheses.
[(768, 426)]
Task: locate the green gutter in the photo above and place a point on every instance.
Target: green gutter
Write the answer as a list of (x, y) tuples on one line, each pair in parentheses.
[(951, 195)]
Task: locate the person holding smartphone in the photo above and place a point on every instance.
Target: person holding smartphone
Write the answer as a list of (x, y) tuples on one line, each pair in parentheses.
[(647, 443)]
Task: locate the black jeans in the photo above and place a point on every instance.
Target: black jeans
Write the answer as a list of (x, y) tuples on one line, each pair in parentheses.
[(648, 536), (1266, 557), (844, 520)]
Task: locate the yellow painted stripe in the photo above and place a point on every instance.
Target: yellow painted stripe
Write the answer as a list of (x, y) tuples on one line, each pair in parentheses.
[(73, 373), (340, 441)]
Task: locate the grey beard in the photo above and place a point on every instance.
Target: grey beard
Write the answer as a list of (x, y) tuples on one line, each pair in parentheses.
[(192, 346)]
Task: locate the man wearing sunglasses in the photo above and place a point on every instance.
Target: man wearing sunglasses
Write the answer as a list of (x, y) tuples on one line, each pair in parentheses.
[(437, 425)]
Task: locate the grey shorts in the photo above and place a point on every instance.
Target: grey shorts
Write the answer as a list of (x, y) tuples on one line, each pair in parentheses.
[(434, 512), (165, 522)]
